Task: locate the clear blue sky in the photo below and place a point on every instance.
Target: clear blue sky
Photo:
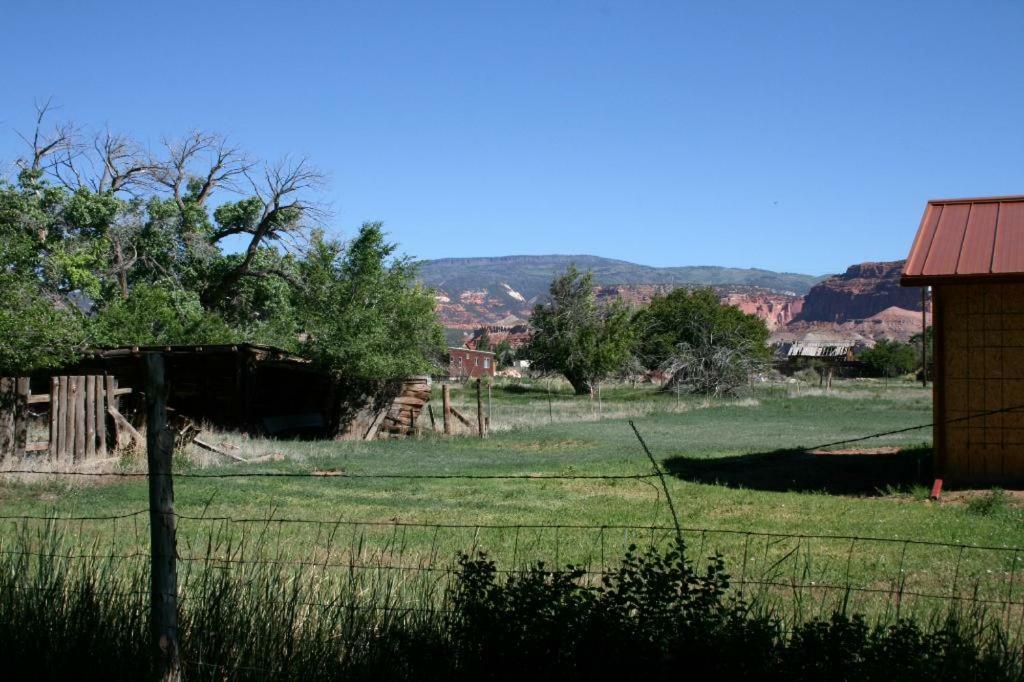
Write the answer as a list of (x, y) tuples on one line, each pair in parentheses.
[(790, 136)]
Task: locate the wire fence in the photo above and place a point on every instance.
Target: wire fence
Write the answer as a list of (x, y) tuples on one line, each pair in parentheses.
[(797, 576)]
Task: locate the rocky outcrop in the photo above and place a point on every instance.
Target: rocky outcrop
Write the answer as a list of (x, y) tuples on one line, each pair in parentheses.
[(862, 291), (776, 310)]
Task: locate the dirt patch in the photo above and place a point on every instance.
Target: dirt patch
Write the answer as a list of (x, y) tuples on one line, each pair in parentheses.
[(956, 497), (888, 450)]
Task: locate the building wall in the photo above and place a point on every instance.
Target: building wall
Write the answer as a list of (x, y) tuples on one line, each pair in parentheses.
[(980, 345), (470, 363)]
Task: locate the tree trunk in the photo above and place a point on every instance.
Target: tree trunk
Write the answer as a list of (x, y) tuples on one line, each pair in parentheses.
[(581, 385)]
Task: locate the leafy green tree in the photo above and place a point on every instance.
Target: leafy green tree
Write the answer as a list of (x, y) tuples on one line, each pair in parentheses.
[(153, 316), (578, 338), (504, 354), (365, 314), (693, 317), (103, 242), (35, 331), (890, 358), (483, 342)]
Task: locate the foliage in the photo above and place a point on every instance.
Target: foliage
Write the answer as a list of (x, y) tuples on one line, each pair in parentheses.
[(890, 358), (700, 343), (105, 243), (992, 503), (35, 332), (153, 315), (685, 316), (483, 342), (504, 354), (576, 337), (654, 617), (365, 315)]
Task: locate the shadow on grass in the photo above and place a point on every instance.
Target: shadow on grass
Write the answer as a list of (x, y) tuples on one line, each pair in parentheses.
[(844, 473)]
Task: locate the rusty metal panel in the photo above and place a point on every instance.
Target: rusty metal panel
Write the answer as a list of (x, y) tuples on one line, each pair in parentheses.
[(1009, 246), (968, 239), (949, 236), (923, 240), (979, 238)]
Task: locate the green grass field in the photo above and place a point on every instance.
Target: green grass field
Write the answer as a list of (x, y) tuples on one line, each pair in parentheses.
[(734, 469)]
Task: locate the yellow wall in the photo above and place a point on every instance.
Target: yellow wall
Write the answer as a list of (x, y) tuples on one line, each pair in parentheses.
[(982, 330)]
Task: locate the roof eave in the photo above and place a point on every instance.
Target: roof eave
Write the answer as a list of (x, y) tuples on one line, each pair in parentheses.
[(972, 278)]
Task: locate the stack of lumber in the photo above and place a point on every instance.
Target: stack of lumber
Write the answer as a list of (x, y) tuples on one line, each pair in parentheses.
[(401, 415)]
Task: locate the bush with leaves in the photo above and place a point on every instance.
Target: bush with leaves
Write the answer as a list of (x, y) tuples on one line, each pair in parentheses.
[(575, 336), (366, 316), (890, 359)]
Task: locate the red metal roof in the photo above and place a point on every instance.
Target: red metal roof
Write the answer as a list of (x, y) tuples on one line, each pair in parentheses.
[(979, 238)]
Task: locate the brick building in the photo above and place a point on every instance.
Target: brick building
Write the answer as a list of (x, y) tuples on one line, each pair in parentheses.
[(466, 363)]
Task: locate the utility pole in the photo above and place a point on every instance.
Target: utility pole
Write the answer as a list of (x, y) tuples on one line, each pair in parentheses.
[(163, 542)]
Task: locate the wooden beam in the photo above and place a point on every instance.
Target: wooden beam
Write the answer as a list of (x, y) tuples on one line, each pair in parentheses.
[(21, 416), (64, 396), (79, 422), (90, 416), (101, 417)]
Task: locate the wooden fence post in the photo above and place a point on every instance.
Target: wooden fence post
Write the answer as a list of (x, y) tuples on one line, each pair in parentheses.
[(479, 407), (446, 404), (55, 417), (163, 543), (21, 417), (7, 421)]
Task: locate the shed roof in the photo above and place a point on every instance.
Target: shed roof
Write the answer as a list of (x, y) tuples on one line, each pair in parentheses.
[(968, 239)]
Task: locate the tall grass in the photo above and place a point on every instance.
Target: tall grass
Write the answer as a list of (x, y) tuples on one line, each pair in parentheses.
[(656, 616)]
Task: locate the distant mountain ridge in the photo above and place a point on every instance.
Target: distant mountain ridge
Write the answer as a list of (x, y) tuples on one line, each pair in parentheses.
[(531, 275), (488, 290)]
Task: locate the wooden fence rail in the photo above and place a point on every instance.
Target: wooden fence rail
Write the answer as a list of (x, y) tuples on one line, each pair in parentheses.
[(81, 408)]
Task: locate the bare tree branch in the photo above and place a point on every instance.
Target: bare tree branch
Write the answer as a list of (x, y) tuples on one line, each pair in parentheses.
[(63, 138)]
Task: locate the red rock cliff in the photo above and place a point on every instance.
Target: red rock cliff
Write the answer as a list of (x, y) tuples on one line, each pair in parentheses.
[(862, 291)]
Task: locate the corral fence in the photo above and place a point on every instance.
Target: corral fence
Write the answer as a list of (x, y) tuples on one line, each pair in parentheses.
[(77, 420), (795, 576)]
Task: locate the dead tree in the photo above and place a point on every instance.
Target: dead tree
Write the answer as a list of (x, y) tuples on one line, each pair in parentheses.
[(715, 363)]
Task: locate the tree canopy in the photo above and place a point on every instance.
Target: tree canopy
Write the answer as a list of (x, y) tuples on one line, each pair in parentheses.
[(577, 337), (103, 242), (890, 358)]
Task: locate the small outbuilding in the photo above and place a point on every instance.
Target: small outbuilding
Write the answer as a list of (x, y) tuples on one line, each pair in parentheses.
[(467, 363), (971, 253)]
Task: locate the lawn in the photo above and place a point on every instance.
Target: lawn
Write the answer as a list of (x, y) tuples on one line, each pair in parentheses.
[(735, 469)]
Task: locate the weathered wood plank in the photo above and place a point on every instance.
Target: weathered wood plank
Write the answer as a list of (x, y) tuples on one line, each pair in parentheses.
[(21, 416), (110, 386), (79, 453), (7, 388), (38, 446), (35, 398), (101, 417), (458, 415), (64, 395), (90, 416), (124, 424)]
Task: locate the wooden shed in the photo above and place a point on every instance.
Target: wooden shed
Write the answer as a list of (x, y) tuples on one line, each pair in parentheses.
[(70, 411), (971, 253)]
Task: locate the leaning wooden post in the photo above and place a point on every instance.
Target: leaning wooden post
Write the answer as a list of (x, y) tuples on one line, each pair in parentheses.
[(164, 574), (479, 407), (446, 408)]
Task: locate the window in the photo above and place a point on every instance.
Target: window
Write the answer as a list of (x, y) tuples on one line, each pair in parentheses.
[(487, 363), (476, 362)]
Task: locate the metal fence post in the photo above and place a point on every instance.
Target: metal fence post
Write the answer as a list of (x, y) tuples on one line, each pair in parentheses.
[(164, 575)]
